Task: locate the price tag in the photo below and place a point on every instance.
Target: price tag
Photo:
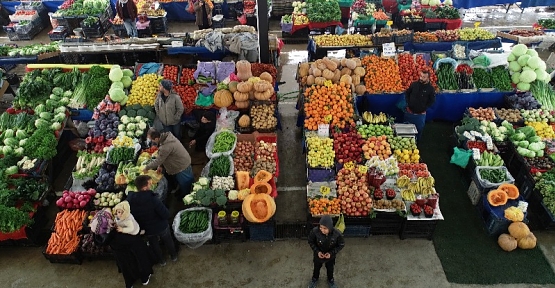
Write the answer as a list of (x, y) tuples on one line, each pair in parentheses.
[(388, 49), (337, 54), (389, 23), (325, 190), (177, 43), (349, 166), (324, 130), (477, 24), (362, 169)]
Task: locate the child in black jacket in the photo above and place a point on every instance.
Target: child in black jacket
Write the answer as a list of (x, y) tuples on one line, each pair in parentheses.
[(326, 241)]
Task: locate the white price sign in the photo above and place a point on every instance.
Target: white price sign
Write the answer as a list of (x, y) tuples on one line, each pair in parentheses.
[(338, 54), (388, 49), (177, 43), (324, 130)]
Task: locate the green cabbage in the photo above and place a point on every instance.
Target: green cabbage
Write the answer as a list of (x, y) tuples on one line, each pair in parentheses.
[(126, 80), (117, 94), (532, 52), (519, 50), (511, 57), (127, 72), (523, 86), (117, 84), (515, 77), (513, 66), (527, 76), (115, 74), (522, 60), (534, 62)]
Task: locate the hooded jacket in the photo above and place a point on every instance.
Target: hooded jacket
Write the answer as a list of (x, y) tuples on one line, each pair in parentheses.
[(171, 154), (331, 243), (131, 9), (127, 222), (170, 111), (198, 13), (149, 211)]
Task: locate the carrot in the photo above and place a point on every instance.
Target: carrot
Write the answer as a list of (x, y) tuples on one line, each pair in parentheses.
[(64, 240)]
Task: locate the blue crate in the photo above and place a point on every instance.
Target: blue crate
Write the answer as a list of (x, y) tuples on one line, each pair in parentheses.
[(357, 231), (320, 175), (262, 232), (84, 115), (494, 217)]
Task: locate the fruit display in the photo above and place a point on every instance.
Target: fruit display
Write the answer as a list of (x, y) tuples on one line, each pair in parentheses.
[(368, 117), (359, 6), (542, 163), (188, 95), (526, 33), (148, 7), (480, 145), (376, 146), (407, 156), (187, 76), (324, 206), (382, 75), (380, 15), (300, 20), (538, 115), (511, 115), (353, 191), (400, 143), (320, 152), (330, 40), (421, 37), (21, 15), (413, 170), (348, 146), (447, 35), (422, 186), (243, 156), (369, 130), (482, 113), (170, 72), (407, 68), (415, 209), (263, 117), (266, 151), (473, 34), (328, 104), (144, 89), (388, 166), (394, 204), (543, 130)]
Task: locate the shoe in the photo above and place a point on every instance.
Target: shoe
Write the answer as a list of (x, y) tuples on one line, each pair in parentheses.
[(313, 283), (331, 284), (174, 259), (147, 280), (163, 264)]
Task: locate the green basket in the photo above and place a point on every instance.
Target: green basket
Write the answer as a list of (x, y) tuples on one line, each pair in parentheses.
[(364, 22), (381, 22), (345, 3), (404, 7)]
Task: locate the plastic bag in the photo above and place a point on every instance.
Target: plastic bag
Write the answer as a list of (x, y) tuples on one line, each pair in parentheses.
[(402, 104), (207, 69), (226, 120), (190, 7), (205, 171), (460, 157), (224, 69), (162, 189), (192, 240), (77, 144), (212, 140), (486, 183), (82, 129), (204, 100)]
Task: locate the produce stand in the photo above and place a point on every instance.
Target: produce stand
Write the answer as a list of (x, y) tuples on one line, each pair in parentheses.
[(447, 46)]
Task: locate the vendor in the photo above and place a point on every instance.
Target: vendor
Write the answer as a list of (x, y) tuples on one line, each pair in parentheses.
[(207, 125), (169, 109), (419, 97), (127, 11), (203, 13)]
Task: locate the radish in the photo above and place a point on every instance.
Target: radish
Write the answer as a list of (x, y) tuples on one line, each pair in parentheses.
[(67, 199), (80, 198), (82, 204), (60, 202)]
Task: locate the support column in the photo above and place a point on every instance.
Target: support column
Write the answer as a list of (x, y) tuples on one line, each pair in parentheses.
[(263, 45)]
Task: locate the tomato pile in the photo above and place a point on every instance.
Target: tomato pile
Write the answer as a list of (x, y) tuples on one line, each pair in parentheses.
[(421, 65), (188, 94), (170, 73), (476, 144), (415, 169), (407, 68), (187, 76)]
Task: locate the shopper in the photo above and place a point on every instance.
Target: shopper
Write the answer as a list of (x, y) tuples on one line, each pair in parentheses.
[(125, 221), (127, 11), (326, 242), (419, 97), (174, 158), (152, 216), (169, 109), (207, 125), (203, 13)]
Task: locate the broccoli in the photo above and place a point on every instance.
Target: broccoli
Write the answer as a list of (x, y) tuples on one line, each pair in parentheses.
[(131, 113), (205, 201), (221, 200), (219, 192), (136, 107), (141, 112), (122, 112), (209, 194), (151, 115)]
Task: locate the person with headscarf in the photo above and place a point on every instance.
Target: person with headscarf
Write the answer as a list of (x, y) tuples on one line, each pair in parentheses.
[(125, 222), (326, 242), (127, 11), (203, 13), (169, 109), (207, 125)]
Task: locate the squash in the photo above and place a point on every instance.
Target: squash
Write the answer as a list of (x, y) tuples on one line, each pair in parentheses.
[(527, 242), (258, 208), (336, 76), (321, 65), (346, 71), (355, 79), (337, 62), (359, 71), (242, 178), (316, 72), (514, 214), (254, 79), (243, 70), (244, 121), (319, 81), (262, 176), (242, 104), (232, 86), (243, 194), (303, 69), (510, 189), (223, 98), (245, 87), (507, 242), (329, 64), (266, 95), (346, 79), (519, 230), (357, 62), (266, 77), (497, 197), (343, 62), (261, 187), (262, 86), (360, 90), (310, 80), (240, 96), (328, 74), (351, 64)]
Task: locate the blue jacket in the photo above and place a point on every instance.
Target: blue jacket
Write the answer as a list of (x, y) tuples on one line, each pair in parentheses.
[(151, 214)]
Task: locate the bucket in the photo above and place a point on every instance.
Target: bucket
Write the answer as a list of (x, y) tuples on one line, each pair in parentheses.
[(78, 32)]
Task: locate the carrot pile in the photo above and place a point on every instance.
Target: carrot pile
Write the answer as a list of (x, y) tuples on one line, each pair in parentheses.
[(421, 37), (407, 69), (186, 76), (328, 104), (64, 240), (380, 15), (324, 206), (421, 65), (382, 75), (170, 73), (188, 94)]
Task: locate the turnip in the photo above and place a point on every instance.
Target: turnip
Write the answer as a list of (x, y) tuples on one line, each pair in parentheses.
[(75, 201), (68, 199), (82, 204), (60, 202), (80, 197)]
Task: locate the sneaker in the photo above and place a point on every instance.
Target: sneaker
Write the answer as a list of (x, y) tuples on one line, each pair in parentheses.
[(332, 284), (147, 280), (174, 258), (163, 264), (313, 283)]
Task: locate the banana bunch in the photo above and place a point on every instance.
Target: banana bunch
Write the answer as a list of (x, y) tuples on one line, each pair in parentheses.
[(373, 119), (424, 186), (403, 181), (408, 195)]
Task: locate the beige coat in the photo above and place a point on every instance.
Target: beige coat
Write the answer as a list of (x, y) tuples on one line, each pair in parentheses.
[(198, 13), (169, 112), (171, 154)]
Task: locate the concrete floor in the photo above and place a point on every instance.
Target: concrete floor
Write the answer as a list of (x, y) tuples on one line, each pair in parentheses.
[(379, 261)]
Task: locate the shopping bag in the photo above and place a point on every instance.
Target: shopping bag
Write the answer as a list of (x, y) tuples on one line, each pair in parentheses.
[(460, 157), (204, 100), (190, 7)]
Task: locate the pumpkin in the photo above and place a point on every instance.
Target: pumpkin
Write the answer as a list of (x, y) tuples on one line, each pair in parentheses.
[(514, 214), (319, 81), (497, 197), (240, 96), (510, 189), (351, 64), (359, 71), (337, 62), (223, 98), (346, 71), (336, 76), (507, 242), (360, 90), (321, 65), (328, 74), (243, 194), (346, 79), (329, 64), (254, 79), (519, 230), (316, 72), (258, 208), (343, 61), (245, 87), (303, 69), (242, 104), (310, 80), (358, 62), (262, 176), (527, 242), (242, 178), (266, 95), (232, 86), (266, 77), (243, 70), (244, 121), (355, 79), (262, 86), (261, 187)]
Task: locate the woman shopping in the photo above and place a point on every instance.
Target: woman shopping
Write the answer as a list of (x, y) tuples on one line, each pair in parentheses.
[(203, 13)]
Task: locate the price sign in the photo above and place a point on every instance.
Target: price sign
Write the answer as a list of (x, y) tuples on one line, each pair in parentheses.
[(324, 130), (388, 49), (477, 24), (389, 23), (362, 169), (177, 43), (325, 190), (349, 166), (337, 54)]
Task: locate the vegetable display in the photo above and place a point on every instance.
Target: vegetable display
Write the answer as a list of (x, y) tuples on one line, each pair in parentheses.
[(65, 240), (526, 67), (41, 145), (493, 175), (544, 93), (75, 199), (219, 166), (464, 77), (121, 154), (446, 79), (489, 159), (326, 11), (208, 196), (132, 127), (12, 219), (224, 142), (194, 221)]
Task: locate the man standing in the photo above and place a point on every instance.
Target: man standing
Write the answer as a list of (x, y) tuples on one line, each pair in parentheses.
[(127, 11), (174, 158), (152, 216), (419, 97), (326, 242), (169, 109)]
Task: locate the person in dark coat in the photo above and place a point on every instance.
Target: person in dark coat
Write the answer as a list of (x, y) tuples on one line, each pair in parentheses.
[(152, 216), (419, 97), (207, 125), (203, 13), (127, 11), (326, 242)]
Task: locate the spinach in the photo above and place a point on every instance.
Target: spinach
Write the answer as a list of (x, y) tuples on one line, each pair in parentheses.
[(323, 11), (12, 219)]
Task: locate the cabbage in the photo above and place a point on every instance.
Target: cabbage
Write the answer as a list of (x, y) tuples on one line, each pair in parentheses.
[(45, 115), (22, 142), (527, 76), (12, 142), (515, 77), (532, 52), (535, 147), (117, 84), (56, 126), (542, 66), (117, 95), (511, 57), (40, 108), (126, 80), (11, 170), (519, 50), (540, 76), (9, 133), (534, 62), (523, 86), (115, 74), (60, 117), (526, 68), (513, 66), (522, 60), (57, 91), (7, 150), (20, 134), (127, 72), (124, 101)]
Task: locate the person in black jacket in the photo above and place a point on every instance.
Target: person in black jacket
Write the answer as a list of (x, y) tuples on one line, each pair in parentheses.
[(326, 242), (419, 97), (152, 216), (207, 125), (132, 258)]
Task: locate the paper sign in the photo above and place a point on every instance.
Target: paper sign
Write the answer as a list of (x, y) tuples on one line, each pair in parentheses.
[(338, 54), (177, 43), (324, 130), (477, 24), (349, 166), (389, 23), (362, 169), (325, 190), (388, 49)]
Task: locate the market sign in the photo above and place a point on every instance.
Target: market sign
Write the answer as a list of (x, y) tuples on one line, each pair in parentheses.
[(338, 54), (388, 49)]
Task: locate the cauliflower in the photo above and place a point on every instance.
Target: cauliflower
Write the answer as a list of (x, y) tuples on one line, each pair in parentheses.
[(124, 119), (203, 181), (197, 187), (142, 125)]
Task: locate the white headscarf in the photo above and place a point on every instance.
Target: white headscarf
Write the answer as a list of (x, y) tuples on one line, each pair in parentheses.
[(123, 2)]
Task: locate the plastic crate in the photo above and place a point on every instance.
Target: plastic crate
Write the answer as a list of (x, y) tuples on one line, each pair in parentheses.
[(57, 36), (418, 229), (144, 33), (73, 258), (320, 174), (159, 25), (356, 231), (385, 223), (119, 30), (93, 32), (262, 232), (12, 36), (363, 29), (403, 38), (433, 26), (293, 230), (494, 219), (218, 24), (381, 40)]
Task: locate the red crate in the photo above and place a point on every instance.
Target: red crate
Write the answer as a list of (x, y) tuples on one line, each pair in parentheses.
[(270, 138)]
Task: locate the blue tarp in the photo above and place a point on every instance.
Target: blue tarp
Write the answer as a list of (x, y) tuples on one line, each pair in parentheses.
[(480, 3), (51, 6), (18, 60), (536, 3), (446, 46), (201, 51)]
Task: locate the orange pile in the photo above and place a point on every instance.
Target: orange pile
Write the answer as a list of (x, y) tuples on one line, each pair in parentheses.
[(376, 146), (324, 206), (328, 104), (382, 75)]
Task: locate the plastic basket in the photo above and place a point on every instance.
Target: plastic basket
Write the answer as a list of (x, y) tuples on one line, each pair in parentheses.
[(320, 174), (418, 229), (356, 231), (119, 30), (403, 38), (381, 40), (486, 183), (466, 51), (159, 25), (433, 26), (363, 29), (286, 27)]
